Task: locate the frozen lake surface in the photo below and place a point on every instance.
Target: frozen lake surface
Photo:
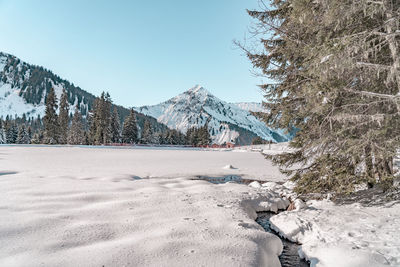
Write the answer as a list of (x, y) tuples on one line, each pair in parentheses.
[(75, 206)]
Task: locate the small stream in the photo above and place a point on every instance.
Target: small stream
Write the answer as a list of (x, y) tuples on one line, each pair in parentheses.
[(290, 256)]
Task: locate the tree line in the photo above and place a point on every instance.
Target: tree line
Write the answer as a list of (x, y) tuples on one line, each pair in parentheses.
[(198, 136), (101, 126)]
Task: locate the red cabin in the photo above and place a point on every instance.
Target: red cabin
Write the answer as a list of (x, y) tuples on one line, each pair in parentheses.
[(230, 145)]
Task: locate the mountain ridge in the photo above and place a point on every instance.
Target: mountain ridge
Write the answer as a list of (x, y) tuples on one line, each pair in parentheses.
[(197, 106)]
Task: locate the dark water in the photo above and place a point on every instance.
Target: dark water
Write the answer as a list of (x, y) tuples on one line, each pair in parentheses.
[(221, 179), (290, 256), (225, 179)]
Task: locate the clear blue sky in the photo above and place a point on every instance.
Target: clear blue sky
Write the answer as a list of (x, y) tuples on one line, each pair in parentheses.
[(142, 52)]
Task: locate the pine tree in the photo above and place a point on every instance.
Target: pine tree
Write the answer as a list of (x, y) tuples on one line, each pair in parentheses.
[(23, 137), (50, 120), (29, 130), (107, 135), (336, 71), (76, 133), (92, 125), (63, 118), (157, 138), (11, 131), (147, 133), (130, 132), (3, 139), (100, 120), (204, 135), (115, 127), (37, 137), (196, 136), (181, 138), (188, 136), (172, 137), (192, 136)]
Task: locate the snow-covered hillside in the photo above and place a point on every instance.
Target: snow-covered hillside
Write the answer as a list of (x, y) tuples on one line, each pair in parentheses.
[(23, 88), (226, 122), (250, 106)]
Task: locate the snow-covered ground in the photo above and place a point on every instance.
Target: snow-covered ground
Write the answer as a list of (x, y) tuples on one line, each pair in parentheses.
[(344, 235), (124, 163), (86, 206), (71, 206)]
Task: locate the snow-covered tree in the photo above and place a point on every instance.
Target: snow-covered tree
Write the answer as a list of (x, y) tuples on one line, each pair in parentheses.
[(11, 131), (147, 133), (3, 139), (130, 131), (100, 120), (37, 137), (198, 136), (204, 136), (335, 68), (23, 136), (50, 120), (63, 118), (76, 133), (115, 127)]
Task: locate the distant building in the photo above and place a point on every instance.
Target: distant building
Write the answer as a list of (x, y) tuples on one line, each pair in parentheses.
[(230, 145)]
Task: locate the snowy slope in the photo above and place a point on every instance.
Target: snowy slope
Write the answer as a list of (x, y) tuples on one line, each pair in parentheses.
[(13, 105), (10, 101), (23, 88), (197, 106), (250, 106)]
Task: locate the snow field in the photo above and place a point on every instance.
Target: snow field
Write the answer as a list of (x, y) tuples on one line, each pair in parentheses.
[(123, 163), (71, 206)]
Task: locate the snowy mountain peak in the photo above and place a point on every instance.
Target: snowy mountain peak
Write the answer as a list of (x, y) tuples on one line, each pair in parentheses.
[(198, 90), (227, 122)]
